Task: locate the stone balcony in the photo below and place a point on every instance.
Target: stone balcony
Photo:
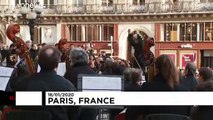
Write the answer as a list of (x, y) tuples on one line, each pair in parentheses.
[(148, 8), (156, 11)]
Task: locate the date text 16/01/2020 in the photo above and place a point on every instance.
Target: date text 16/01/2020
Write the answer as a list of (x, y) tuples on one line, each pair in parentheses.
[(83, 101)]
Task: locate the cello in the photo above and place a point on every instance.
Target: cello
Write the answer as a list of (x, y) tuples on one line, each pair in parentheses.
[(11, 32)]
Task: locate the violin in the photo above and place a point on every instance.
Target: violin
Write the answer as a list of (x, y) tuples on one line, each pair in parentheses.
[(11, 32)]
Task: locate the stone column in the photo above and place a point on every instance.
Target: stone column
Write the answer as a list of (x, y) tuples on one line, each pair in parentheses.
[(198, 31), (178, 32), (58, 31), (162, 32), (83, 32)]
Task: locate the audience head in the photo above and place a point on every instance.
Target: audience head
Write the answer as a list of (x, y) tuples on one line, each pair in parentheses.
[(205, 86), (128, 74), (56, 45), (48, 58), (103, 54), (72, 46), (167, 70), (190, 69), (78, 56), (34, 47), (116, 69), (39, 46), (12, 46), (205, 74), (91, 57), (136, 76), (44, 44), (29, 44)]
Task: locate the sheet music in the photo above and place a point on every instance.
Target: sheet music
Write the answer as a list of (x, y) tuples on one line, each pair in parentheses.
[(101, 83), (3, 82), (60, 70), (5, 73)]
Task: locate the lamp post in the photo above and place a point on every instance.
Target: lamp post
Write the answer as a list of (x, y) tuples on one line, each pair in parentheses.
[(30, 13)]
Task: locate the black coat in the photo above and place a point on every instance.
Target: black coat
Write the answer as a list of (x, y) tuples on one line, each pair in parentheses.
[(72, 75), (49, 81), (159, 84), (189, 82), (33, 54), (202, 113), (129, 86)]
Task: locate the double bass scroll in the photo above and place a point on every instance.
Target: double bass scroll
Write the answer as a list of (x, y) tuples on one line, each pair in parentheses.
[(11, 32)]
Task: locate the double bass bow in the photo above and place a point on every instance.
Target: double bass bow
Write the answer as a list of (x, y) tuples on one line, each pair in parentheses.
[(11, 32)]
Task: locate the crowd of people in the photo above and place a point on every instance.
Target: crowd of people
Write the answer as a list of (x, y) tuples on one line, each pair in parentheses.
[(9, 55), (166, 76)]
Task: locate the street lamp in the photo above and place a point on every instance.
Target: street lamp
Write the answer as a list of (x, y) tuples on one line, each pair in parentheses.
[(30, 12)]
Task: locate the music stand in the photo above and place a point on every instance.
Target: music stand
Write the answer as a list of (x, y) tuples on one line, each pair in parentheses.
[(101, 83)]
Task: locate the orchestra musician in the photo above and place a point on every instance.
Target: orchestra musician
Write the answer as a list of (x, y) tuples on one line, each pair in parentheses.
[(65, 49), (136, 41), (25, 65), (48, 80)]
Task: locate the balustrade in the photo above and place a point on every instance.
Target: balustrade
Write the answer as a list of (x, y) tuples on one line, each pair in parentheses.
[(155, 8)]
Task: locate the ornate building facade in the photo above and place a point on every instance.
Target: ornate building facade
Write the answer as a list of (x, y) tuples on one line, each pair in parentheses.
[(181, 28)]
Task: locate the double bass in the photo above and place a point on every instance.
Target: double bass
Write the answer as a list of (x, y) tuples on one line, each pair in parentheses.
[(147, 57), (23, 51)]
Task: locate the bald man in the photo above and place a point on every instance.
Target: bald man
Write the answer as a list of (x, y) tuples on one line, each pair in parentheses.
[(48, 80)]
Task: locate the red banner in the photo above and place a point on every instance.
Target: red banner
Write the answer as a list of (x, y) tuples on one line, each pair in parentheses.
[(187, 58)]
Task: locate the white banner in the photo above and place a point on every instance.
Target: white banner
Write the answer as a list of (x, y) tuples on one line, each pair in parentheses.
[(129, 98), (120, 98), (28, 98)]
